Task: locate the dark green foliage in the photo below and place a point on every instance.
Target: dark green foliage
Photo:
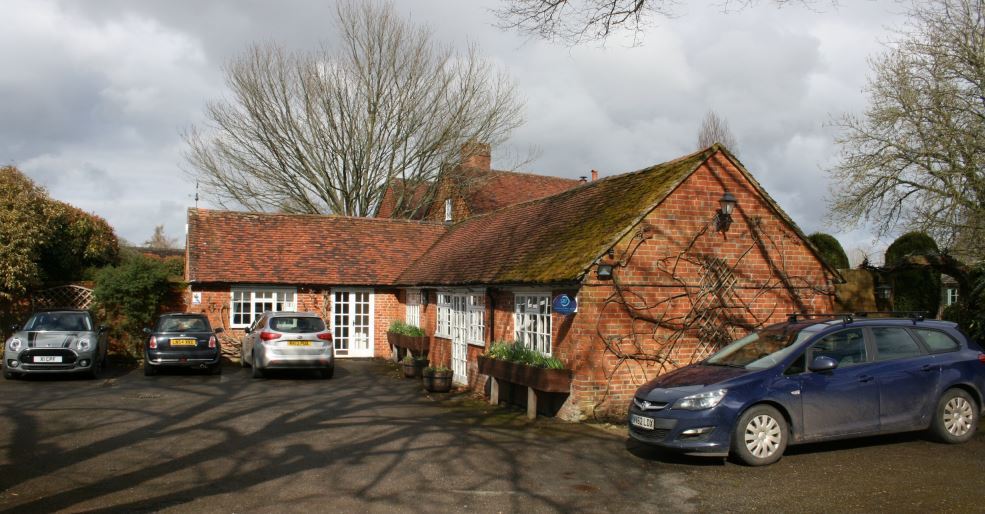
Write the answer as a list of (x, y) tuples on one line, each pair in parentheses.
[(131, 293), (969, 312), (830, 250), (916, 289)]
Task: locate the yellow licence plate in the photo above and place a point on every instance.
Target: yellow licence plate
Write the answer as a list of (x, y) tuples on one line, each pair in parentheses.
[(299, 343), (184, 342)]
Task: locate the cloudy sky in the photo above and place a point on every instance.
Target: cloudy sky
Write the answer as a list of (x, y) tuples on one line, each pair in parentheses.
[(95, 95)]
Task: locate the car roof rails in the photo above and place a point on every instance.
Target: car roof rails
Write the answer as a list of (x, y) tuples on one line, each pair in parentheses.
[(913, 315), (846, 317)]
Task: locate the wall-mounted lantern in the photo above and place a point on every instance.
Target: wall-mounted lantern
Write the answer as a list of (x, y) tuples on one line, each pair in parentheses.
[(723, 218), (884, 291), (604, 272)]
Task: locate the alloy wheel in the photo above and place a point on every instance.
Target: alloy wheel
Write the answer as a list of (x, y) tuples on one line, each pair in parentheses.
[(763, 436), (958, 416)]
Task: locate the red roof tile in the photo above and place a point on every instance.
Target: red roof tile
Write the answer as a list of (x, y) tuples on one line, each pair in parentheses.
[(550, 240), (262, 248)]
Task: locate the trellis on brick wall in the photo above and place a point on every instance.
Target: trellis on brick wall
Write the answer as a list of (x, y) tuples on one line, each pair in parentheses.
[(715, 310), (63, 297)]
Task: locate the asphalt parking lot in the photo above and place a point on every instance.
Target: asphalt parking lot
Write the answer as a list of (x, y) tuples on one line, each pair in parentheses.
[(370, 441)]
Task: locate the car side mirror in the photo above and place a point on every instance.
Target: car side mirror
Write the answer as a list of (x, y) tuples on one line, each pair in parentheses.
[(246, 330), (147, 331), (823, 363), (219, 330), (103, 328)]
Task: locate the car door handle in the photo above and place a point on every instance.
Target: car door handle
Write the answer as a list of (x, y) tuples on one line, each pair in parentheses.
[(926, 367), (865, 378)]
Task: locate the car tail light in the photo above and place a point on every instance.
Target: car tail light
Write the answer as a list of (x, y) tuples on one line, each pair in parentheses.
[(269, 336), (212, 342), (981, 358), (325, 336), (153, 343)]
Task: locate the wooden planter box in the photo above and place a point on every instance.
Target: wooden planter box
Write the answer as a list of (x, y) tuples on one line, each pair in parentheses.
[(418, 345), (541, 379)]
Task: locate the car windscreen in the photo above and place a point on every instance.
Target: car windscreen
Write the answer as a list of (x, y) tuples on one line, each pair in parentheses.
[(296, 324), (760, 350), (183, 324), (59, 322)]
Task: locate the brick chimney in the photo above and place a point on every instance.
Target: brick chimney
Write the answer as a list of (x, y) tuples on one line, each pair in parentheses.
[(595, 175), (477, 155)]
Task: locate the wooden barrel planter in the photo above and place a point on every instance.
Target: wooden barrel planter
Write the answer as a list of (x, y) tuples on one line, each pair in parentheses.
[(414, 368), (533, 378), (437, 381)]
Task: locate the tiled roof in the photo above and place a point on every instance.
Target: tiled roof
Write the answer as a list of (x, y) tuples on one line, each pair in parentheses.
[(550, 240), (389, 201), (261, 248), (488, 190), (497, 189)]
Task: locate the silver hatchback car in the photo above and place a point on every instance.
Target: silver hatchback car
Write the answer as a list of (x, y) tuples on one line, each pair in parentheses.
[(288, 340), (56, 341)]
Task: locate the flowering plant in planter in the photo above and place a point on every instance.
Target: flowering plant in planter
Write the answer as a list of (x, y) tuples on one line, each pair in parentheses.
[(437, 379), (514, 362)]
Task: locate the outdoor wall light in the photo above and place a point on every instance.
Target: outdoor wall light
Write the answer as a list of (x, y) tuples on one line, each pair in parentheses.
[(604, 272), (884, 291), (723, 218)]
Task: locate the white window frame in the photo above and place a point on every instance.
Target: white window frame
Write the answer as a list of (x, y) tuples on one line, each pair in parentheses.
[(950, 296), (413, 312), (444, 305), (475, 314), (281, 299), (533, 329)]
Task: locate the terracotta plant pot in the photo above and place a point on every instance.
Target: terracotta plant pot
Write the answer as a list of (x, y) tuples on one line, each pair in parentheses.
[(540, 379), (415, 368), (437, 381)]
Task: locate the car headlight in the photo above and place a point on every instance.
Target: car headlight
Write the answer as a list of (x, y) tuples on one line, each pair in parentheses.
[(701, 400), (15, 345), (83, 345)]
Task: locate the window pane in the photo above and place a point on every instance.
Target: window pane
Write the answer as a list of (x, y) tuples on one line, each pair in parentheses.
[(846, 347), (937, 341), (894, 343)]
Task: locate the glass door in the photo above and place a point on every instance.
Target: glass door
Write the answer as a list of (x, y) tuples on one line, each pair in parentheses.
[(352, 322)]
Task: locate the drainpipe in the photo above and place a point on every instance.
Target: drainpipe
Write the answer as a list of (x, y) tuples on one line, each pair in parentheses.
[(492, 315)]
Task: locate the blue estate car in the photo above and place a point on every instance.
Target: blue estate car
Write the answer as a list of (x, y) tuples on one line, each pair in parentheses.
[(812, 380)]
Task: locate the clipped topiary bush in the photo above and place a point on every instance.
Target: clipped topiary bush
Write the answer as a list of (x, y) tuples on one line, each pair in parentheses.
[(916, 289), (830, 250)]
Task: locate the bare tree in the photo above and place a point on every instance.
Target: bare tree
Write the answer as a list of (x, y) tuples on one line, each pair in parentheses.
[(715, 129), (328, 131), (916, 157), (577, 21), (160, 241)]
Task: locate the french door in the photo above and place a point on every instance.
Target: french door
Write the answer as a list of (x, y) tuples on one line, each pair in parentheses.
[(352, 322), (459, 339)]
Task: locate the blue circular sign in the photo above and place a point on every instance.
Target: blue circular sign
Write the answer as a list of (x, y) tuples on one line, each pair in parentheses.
[(564, 304)]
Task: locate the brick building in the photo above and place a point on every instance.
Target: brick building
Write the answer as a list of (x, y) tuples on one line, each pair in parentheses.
[(658, 280)]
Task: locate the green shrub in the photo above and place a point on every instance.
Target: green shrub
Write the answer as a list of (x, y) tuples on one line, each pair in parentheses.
[(130, 295), (917, 289), (404, 329), (830, 250), (969, 312)]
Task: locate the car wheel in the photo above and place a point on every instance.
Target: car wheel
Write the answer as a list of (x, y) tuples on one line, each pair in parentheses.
[(95, 369), (327, 372), (216, 369), (149, 370), (242, 358), (956, 417), (760, 436), (257, 372)]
